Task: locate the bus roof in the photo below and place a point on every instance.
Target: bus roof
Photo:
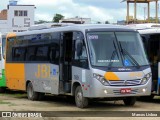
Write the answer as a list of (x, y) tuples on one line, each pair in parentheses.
[(78, 27), (149, 31)]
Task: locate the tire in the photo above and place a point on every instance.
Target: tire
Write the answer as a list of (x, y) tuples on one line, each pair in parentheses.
[(2, 89), (31, 94), (129, 101), (80, 101)]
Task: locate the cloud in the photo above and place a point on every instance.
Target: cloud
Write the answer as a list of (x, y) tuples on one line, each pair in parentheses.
[(71, 8), (97, 10), (43, 16), (107, 4)]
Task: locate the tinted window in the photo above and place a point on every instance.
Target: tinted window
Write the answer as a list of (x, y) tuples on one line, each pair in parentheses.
[(30, 54), (80, 58), (54, 53), (3, 46), (19, 54), (42, 53)]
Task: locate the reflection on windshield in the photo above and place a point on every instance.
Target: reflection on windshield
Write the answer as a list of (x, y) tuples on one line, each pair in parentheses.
[(104, 49), (133, 49)]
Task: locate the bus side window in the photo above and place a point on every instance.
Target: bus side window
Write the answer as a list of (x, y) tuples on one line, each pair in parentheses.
[(42, 53), (19, 54), (30, 54), (80, 58), (54, 54)]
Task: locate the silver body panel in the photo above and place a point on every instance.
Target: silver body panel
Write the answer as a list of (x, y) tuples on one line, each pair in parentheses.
[(91, 87), (95, 89), (46, 83)]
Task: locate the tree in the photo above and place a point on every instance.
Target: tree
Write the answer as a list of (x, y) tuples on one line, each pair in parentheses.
[(41, 21), (106, 22), (98, 22), (57, 17)]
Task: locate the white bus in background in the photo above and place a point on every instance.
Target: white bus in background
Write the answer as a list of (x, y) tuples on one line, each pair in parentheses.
[(150, 34), (2, 70)]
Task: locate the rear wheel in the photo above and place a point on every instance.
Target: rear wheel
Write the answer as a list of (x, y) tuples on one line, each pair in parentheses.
[(129, 101), (80, 101), (31, 94)]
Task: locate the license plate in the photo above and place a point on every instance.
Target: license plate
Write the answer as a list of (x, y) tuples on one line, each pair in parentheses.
[(125, 90)]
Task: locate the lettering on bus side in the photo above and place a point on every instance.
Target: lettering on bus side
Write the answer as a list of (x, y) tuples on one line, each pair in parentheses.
[(44, 72)]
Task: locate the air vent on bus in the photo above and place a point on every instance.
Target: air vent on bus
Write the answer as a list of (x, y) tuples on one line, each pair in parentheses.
[(48, 25)]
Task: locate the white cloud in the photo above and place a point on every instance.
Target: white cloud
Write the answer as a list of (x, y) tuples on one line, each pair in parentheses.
[(98, 11), (43, 16), (47, 8), (46, 3)]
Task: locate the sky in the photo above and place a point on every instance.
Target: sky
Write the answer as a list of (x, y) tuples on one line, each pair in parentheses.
[(97, 10)]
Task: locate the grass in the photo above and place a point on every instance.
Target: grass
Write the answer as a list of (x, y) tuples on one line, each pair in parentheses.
[(157, 97), (17, 95), (2, 102), (14, 94)]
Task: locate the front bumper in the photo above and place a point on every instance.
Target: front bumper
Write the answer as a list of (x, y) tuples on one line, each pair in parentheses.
[(100, 91)]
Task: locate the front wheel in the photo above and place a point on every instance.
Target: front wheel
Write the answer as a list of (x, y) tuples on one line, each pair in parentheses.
[(80, 101), (31, 94), (129, 101)]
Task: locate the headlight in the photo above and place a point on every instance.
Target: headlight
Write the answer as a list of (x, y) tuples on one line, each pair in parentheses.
[(145, 79), (101, 79)]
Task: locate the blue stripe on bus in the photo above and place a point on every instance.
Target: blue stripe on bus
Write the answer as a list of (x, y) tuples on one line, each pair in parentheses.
[(159, 81)]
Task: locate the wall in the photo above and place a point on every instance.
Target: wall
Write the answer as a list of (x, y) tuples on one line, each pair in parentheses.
[(21, 22)]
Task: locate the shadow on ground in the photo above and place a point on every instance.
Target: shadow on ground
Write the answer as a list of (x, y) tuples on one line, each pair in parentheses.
[(156, 99), (61, 101)]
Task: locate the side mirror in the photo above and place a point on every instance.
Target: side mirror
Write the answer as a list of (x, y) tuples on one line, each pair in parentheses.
[(79, 47)]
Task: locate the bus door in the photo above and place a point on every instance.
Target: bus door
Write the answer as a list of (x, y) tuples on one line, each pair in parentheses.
[(152, 46), (65, 62)]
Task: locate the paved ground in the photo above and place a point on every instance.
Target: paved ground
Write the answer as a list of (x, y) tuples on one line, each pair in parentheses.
[(14, 101)]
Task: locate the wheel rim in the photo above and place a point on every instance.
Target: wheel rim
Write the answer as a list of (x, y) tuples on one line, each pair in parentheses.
[(79, 97), (30, 91)]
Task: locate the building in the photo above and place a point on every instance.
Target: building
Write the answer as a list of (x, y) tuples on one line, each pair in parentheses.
[(121, 22), (16, 18), (76, 20)]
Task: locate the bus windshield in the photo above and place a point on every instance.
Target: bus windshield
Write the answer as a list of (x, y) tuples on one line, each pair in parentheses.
[(116, 49)]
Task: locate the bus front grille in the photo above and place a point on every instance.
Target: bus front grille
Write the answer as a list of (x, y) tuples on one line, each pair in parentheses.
[(125, 82)]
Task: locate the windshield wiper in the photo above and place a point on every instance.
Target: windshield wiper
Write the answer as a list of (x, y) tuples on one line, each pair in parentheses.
[(112, 56), (127, 53)]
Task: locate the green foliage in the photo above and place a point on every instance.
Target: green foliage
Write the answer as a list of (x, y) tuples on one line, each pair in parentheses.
[(106, 22), (41, 21), (2, 102), (57, 17)]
